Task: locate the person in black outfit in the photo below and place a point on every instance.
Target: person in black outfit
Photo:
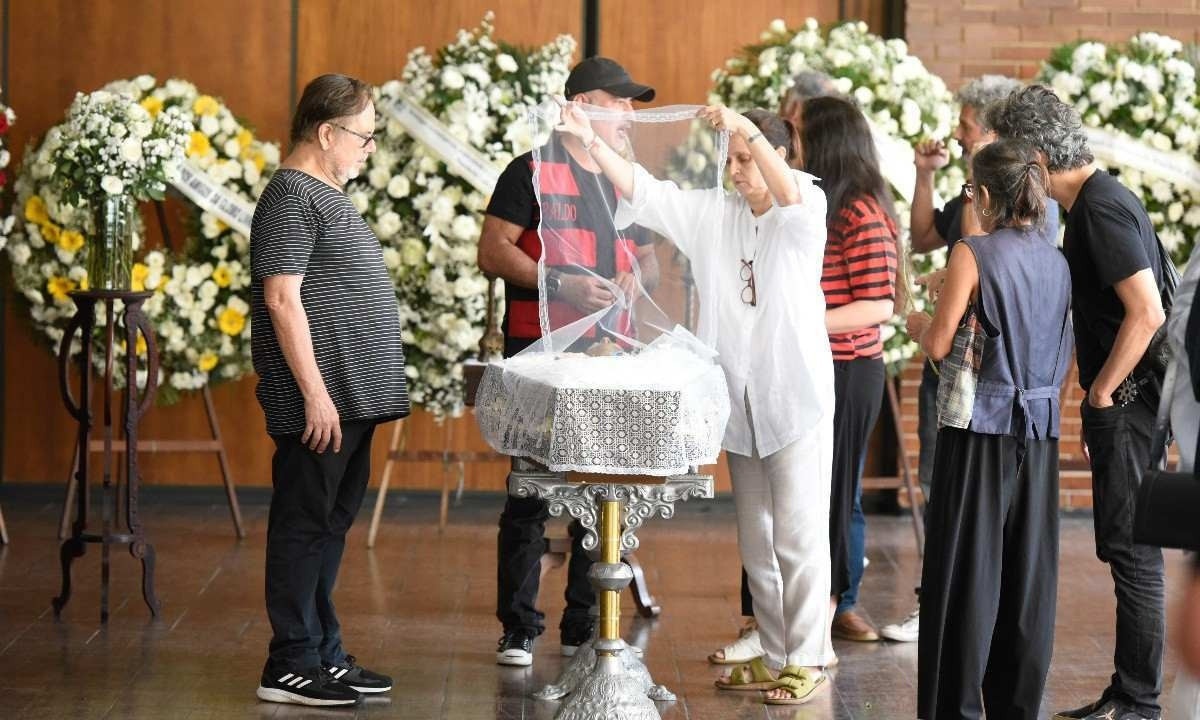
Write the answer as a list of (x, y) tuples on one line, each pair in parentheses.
[(509, 248), (1116, 276)]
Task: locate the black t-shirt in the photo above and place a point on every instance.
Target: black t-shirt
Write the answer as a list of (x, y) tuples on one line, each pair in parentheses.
[(303, 226), (1109, 237), (948, 220), (514, 200)]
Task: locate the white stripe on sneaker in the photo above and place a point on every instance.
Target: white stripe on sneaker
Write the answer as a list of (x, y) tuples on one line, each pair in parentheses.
[(301, 685), (338, 675), (296, 680), (285, 678)]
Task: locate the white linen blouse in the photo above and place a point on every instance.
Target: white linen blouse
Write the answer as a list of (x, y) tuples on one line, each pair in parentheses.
[(776, 354)]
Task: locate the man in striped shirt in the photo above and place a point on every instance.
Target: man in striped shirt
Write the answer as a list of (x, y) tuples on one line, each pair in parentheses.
[(327, 349)]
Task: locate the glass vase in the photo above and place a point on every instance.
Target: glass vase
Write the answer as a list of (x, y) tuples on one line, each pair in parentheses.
[(110, 248)]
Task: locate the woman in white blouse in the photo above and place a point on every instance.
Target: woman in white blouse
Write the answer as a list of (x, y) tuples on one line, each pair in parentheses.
[(758, 273)]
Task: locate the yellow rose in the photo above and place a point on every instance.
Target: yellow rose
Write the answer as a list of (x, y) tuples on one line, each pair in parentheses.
[(152, 105), (70, 240), (206, 105), (198, 144), (256, 157), (207, 361), (35, 210), (140, 347), (221, 276), (244, 138), (231, 321), (51, 233), (59, 286), (137, 277)]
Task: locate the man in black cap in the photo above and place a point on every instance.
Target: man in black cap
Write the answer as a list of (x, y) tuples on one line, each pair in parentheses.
[(509, 248)]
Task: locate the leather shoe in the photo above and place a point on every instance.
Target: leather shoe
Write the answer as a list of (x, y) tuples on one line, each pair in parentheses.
[(850, 625)]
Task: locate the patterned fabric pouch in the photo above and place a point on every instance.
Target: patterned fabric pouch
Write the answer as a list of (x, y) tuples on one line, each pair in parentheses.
[(960, 373)]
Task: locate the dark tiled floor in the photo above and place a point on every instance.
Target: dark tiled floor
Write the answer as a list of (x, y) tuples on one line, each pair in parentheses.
[(420, 607)]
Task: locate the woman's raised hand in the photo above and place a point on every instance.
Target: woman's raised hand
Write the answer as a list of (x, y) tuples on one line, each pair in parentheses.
[(574, 121), (722, 118)]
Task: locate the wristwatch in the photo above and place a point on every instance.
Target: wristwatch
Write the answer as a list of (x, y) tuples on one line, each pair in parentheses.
[(553, 282)]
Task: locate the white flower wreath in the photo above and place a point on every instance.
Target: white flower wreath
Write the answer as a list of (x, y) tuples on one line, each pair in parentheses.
[(427, 218), (893, 88), (1143, 90), (200, 308)]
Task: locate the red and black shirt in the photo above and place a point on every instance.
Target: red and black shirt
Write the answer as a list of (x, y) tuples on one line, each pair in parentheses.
[(860, 264), (578, 227)]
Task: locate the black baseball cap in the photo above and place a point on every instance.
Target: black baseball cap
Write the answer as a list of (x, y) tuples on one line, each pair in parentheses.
[(601, 73)]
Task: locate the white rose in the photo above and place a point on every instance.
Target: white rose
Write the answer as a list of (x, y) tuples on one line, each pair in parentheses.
[(361, 201), (1161, 191), (506, 63), (1175, 212), (210, 125), (864, 96), (112, 185), (412, 251), (232, 147), (388, 225), (145, 82), (131, 150), (391, 258), (398, 186), (452, 79), (464, 227), (778, 26), (19, 254), (1160, 141), (118, 130), (379, 177)]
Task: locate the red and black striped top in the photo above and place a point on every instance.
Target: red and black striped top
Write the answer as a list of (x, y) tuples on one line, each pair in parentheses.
[(860, 264)]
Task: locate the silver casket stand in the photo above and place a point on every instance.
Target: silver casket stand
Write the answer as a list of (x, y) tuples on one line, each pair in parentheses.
[(613, 442)]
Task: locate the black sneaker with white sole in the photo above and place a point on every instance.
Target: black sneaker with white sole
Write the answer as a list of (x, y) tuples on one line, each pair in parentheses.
[(516, 648), (309, 687), (349, 672)]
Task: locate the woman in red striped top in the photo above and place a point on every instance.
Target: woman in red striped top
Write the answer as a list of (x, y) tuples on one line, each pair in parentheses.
[(860, 289)]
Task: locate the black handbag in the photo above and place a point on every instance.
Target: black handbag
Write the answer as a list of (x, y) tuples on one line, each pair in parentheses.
[(1167, 502), (1158, 353)]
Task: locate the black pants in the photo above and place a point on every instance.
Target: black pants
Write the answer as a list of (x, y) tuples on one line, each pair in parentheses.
[(1119, 440), (521, 543), (990, 578), (315, 499), (858, 394)]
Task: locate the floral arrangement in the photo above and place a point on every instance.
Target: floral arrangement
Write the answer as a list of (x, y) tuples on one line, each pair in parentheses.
[(427, 218), (138, 132), (112, 144), (7, 118), (893, 88), (1145, 89)]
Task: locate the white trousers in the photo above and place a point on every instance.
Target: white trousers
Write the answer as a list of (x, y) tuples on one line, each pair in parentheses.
[(783, 534)]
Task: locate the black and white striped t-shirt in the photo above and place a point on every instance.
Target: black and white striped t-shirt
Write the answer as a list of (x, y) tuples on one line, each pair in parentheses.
[(302, 226)]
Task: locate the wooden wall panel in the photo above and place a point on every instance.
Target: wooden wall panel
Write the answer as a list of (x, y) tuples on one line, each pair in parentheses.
[(371, 39), (57, 47), (230, 48), (675, 45)]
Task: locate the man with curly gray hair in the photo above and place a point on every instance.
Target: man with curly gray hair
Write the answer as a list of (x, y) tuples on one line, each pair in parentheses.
[(1116, 275)]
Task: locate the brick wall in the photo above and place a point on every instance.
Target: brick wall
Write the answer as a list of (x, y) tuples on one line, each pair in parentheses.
[(962, 39)]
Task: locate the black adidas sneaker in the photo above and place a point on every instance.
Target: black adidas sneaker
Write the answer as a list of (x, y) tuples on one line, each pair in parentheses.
[(357, 677), (310, 687)]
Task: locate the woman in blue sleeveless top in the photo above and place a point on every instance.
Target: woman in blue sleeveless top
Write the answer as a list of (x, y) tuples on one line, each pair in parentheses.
[(991, 554)]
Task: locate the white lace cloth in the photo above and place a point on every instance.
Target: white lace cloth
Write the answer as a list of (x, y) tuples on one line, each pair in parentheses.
[(658, 412)]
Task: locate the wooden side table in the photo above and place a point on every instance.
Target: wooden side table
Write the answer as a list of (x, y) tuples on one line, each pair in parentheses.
[(135, 322)]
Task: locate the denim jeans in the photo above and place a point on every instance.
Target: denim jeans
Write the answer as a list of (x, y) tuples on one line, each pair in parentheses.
[(1119, 441)]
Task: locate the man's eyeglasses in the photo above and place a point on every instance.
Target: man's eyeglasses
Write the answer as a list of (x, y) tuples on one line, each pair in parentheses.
[(749, 294), (361, 136)]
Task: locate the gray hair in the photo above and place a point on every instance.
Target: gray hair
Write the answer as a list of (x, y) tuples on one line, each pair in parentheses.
[(983, 91), (810, 84), (1037, 115)]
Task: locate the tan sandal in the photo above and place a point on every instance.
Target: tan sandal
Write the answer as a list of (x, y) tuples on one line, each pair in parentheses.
[(801, 684), (754, 675)]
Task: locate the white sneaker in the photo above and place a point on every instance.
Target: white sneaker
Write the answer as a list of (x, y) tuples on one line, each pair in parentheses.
[(905, 631)]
